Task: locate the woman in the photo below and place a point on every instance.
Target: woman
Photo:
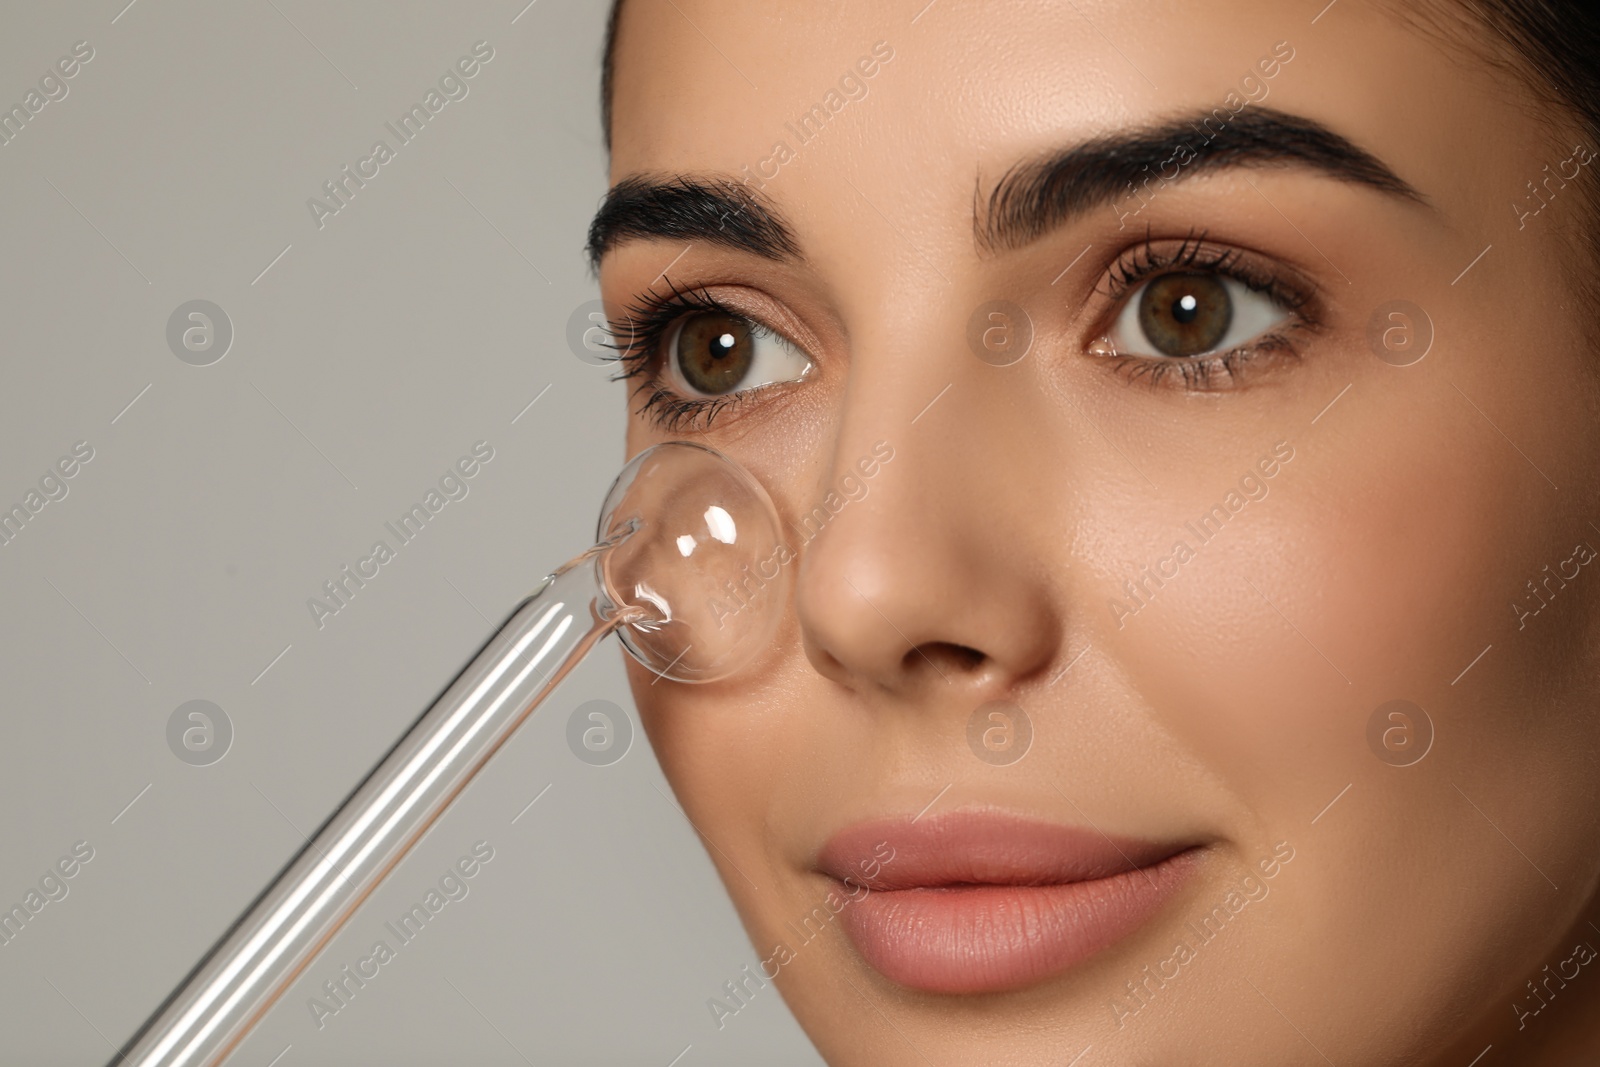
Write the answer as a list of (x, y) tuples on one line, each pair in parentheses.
[(1186, 419)]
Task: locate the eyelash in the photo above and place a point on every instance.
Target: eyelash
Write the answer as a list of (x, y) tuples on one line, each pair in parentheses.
[(652, 316), (1143, 262)]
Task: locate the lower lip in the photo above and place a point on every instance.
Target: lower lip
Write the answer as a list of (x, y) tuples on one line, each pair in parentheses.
[(992, 938)]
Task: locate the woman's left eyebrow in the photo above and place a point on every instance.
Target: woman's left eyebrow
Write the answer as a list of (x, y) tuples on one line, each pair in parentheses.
[(1121, 170)]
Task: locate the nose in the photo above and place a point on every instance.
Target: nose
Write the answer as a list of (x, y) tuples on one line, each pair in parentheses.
[(920, 570)]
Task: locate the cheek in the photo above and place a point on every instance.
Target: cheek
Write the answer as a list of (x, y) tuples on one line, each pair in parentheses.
[(1390, 550), (1382, 562), (752, 762), (729, 751)]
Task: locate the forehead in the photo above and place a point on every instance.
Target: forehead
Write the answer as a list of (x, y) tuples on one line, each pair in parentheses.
[(723, 84)]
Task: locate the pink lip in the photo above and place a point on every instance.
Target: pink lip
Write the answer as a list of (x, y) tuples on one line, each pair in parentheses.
[(980, 902)]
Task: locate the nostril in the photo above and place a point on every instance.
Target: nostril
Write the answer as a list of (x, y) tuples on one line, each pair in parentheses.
[(945, 656)]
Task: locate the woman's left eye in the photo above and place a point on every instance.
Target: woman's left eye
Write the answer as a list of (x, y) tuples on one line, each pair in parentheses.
[(1192, 313), (712, 353)]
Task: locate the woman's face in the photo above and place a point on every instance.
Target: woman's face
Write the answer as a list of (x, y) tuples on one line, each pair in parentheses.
[(1122, 514)]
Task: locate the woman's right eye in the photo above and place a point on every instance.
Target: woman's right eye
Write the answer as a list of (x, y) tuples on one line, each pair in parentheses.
[(713, 353)]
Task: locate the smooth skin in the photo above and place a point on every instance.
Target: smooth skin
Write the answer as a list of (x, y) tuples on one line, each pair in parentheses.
[(985, 558)]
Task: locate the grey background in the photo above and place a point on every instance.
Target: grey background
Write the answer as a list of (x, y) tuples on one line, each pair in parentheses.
[(423, 317)]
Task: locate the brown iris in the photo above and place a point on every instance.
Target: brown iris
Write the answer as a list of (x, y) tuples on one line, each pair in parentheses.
[(714, 352), (1185, 314)]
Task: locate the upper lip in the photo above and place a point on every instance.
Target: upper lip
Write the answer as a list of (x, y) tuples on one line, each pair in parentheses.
[(976, 848)]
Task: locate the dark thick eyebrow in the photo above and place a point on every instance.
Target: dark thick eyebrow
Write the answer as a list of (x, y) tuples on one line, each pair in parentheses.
[(690, 208), (1118, 170), (1121, 170)]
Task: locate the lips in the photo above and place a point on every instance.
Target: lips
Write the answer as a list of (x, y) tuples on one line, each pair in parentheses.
[(979, 902)]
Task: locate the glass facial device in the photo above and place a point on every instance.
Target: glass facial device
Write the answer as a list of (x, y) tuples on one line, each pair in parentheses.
[(690, 569)]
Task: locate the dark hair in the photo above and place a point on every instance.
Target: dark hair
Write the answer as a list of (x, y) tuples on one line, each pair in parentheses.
[(1556, 44), (608, 72), (1553, 48)]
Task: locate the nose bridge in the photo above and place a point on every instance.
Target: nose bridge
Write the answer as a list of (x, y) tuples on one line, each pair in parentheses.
[(911, 574)]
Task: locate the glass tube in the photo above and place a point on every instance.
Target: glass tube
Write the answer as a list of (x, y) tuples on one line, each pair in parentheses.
[(681, 522)]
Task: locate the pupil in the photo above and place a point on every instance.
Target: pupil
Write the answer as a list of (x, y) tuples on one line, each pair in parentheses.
[(1185, 313), (714, 352)]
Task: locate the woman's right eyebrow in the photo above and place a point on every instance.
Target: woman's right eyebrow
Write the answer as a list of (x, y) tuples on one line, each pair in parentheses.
[(1033, 197), (692, 208)]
